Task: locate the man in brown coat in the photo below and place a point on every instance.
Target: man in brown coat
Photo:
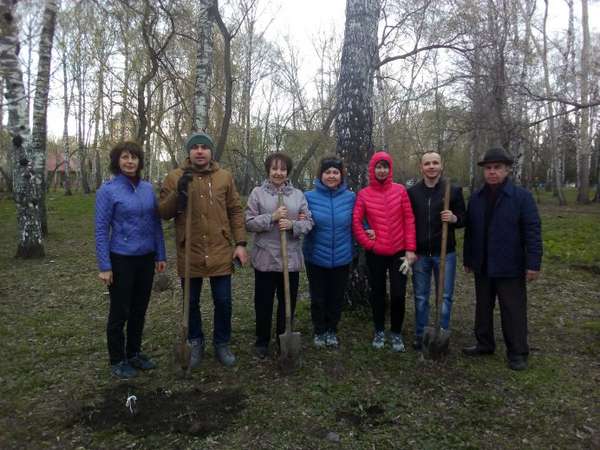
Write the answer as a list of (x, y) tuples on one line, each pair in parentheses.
[(217, 240)]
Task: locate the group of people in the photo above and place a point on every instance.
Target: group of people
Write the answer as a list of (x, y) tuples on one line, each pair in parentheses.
[(399, 229)]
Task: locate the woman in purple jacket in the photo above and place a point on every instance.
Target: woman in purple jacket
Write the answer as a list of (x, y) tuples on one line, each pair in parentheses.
[(129, 248)]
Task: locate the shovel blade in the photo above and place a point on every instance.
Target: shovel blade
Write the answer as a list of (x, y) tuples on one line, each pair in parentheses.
[(436, 342), (183, 354), (289, 348)]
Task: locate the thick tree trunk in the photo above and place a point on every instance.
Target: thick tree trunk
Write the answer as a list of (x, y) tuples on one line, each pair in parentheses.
[(354, 121), (27, 181), (40, 104)]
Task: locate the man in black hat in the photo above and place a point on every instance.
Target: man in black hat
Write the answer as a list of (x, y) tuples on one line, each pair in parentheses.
[(503, 248)]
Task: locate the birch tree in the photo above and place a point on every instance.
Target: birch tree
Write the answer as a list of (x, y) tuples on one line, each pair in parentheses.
[(27, 183), (204, 61), (584, 147), (40, 103)]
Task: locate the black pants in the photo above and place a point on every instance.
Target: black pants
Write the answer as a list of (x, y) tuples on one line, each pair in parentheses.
[(327, 288), (512, 297), (129, 297), (266, 284), (378, 267)]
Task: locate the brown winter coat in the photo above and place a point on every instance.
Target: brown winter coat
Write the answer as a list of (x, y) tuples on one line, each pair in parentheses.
[(217, 219)]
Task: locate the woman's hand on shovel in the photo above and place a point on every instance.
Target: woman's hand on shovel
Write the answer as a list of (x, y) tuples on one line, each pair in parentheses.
[(106, 277)]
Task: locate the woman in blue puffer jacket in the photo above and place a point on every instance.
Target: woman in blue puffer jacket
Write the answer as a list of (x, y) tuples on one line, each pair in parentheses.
[(328, 248), (129, 248)]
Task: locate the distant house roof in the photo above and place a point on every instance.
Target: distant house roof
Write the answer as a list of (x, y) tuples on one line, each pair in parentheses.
[(54, 159)]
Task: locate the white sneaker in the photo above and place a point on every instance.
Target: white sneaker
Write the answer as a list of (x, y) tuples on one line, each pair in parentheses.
[(320, 340), (397, 343), (331, 339), (378, 340)]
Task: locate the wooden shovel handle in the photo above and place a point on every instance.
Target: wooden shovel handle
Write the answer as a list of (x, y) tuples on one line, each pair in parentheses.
[(187, 262), (442, 273), (286, 273)]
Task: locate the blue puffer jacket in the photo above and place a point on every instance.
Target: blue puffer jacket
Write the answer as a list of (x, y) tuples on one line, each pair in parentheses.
[(127, 221), (329, 244), (514, 237)]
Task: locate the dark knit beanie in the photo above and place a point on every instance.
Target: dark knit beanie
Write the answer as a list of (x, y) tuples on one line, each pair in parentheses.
[(331, 161), (199, 138)]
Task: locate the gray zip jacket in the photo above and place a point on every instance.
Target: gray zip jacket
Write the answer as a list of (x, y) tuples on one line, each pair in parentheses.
[(266, 251)]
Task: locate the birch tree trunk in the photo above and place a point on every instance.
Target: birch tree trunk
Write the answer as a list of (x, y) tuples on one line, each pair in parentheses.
[(555, 151), (584, 147), (204, 61), (40, 104), (354, 121), (66, 107), (228, 82), (27, 183)]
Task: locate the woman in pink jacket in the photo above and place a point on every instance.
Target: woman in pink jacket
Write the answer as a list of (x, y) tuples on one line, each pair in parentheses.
[(383, 223)]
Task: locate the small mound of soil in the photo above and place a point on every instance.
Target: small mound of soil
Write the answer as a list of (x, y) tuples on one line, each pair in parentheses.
[(161, 411)]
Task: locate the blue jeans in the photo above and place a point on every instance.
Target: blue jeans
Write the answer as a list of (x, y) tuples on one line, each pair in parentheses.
[(421, 278), (221, 293)]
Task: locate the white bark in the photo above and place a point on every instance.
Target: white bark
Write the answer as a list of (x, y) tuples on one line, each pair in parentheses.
[(40, 103), (27, 182), (584, 145), (204, 61)]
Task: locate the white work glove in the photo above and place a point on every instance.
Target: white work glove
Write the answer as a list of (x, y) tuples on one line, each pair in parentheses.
[(405, 268)]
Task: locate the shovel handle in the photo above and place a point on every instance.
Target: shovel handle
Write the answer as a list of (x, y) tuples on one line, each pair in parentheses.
[(186, 265), (442, 272), (286, 273)]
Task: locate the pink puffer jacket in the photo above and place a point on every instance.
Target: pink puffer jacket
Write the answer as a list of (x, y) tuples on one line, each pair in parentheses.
[(385, 206)]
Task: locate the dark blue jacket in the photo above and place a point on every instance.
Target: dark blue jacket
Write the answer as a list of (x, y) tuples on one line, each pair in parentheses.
[(329, 244), (514, 236), (127, 221)]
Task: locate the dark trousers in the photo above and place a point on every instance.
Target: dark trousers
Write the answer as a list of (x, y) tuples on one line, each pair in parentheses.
[(327, 288), (221, 293), (378, 267), (266, 284), (129, 297), (512, 297)]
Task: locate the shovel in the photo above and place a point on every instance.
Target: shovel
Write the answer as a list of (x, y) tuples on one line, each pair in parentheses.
[(183, 349), (289, 342), (436, 340)]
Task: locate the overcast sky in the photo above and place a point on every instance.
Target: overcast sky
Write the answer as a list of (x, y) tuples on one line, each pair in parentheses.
[(302, 20)]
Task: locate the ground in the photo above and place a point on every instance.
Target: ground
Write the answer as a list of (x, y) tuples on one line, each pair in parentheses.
[(56, 390)]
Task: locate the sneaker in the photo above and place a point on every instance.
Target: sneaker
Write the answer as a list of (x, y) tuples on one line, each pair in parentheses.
[(331, 339), (418, 343), (519, 363), (262, 351), (397, 343), (142, 362), (378, 340), (320, 340), (197, 352), (224, 355), (123, 370)]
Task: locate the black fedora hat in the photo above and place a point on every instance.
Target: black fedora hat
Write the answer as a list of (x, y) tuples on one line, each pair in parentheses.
[(496, 155)]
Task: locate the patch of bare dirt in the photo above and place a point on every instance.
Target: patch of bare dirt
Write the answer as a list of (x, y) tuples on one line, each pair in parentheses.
[(194, 412)]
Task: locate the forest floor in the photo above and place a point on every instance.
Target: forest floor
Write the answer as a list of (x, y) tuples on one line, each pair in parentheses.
[(56, 390)]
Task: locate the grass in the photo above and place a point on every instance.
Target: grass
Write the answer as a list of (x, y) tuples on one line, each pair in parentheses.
[(56, 392)]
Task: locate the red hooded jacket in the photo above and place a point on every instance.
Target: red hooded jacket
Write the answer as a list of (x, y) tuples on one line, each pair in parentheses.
[(386, 208)]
